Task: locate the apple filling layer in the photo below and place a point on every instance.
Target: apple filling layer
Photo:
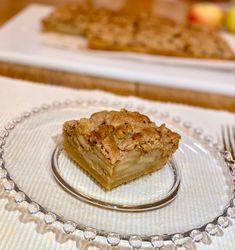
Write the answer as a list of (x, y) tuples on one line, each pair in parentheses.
[(117, 147)]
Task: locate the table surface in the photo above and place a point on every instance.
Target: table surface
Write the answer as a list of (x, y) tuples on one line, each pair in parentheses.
[(204, 99)]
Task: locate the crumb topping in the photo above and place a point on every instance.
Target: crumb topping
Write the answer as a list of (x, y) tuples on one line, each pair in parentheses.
[(115, 133)]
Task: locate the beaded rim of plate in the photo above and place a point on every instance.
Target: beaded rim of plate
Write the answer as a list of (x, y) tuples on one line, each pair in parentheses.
[(211, 228)]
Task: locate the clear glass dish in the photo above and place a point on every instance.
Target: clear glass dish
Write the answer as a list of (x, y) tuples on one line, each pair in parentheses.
[(204, 202)]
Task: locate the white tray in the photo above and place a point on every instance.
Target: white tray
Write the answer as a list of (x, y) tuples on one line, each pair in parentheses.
[(22, 42)]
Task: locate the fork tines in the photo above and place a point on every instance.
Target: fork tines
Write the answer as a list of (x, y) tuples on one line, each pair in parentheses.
[(228, 138)]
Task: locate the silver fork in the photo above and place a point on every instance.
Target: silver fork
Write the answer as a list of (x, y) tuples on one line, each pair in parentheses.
[(228, 139)]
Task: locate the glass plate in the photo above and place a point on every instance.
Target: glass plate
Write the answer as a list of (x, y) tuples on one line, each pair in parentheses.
[(204, 202)]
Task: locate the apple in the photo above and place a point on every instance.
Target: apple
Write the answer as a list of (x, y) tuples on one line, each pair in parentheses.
[(230, 19), (206, 13)]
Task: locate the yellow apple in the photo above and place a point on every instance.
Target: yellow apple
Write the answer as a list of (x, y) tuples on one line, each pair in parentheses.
[(206, 13), (230, 19)]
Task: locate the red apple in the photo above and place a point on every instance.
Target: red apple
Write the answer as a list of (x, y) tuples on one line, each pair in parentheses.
[(206, 13)]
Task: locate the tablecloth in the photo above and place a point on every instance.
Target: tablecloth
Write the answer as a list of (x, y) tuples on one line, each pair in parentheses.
[(17, 96)]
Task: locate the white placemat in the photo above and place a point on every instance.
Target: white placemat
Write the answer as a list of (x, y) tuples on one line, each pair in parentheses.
[(17, 96)]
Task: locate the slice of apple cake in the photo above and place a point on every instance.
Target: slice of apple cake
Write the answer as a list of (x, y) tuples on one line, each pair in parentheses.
[(115, 147)]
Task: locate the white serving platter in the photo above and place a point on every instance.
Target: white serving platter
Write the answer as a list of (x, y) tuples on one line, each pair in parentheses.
[(23, 42)]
